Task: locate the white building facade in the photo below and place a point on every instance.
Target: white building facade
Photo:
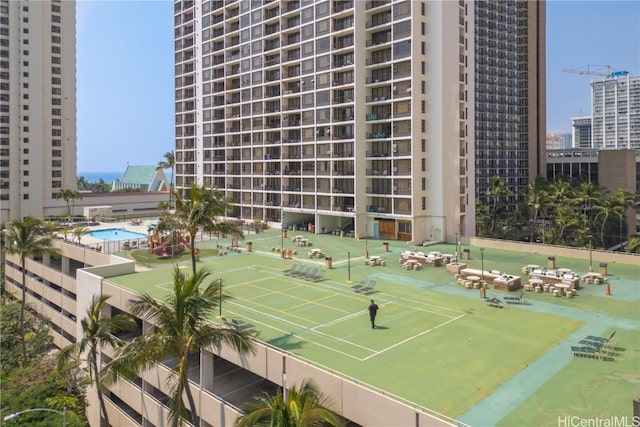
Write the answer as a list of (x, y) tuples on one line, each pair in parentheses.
[(37, 105), (343, 114), (616, 112)]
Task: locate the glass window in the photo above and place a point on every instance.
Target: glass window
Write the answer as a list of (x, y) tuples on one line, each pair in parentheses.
[(307, 66), (322, 9), (322, 27), (307, 31), (401, 10), (401, 30), (323, 97), (307, 100), (307, 49), (402, 48), (323, 45), (323, 63), (307, 14), (323, 115)]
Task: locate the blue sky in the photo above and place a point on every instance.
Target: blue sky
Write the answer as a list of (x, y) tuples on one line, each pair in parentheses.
[(125, 72)]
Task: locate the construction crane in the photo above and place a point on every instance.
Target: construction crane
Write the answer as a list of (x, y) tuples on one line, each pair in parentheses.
[(596, 70)]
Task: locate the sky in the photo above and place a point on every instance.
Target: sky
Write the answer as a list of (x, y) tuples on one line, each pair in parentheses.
[(125, 72)]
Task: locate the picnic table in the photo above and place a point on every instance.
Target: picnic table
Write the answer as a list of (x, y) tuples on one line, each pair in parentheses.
[(412, 264), (375, 260), (316, 253), (304, 242)]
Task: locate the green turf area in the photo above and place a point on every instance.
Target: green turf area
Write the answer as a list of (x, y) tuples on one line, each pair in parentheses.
[(438, 345)]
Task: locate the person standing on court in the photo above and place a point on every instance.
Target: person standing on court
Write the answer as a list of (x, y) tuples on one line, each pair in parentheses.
[(373, 310)]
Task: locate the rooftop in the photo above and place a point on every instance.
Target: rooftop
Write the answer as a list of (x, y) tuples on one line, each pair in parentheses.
[(438, 345)]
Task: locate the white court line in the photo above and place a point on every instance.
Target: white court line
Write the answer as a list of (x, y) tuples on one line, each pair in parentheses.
[(309, 329), (315, 331), (413, 337)]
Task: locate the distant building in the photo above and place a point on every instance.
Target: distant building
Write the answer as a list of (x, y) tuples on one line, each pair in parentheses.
[(581, 132), (609, 169), (558, 140), (142, 178), (616, 112)]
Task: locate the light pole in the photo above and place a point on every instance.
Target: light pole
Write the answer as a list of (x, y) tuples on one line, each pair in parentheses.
[(482, 266), (220, 316), (17, 414), (348, 267), (366, 247), (590, 237), (457, 247)]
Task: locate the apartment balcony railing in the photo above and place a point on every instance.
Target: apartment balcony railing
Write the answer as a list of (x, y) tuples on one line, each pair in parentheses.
[(377, 3)]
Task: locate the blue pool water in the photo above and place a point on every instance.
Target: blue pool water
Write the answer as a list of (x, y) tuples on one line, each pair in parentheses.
[(115, 234)]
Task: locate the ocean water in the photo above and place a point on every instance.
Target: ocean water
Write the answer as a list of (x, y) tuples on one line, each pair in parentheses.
[(94, 177)]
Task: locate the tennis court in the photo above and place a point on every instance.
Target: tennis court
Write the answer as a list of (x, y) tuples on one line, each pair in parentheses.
[(437, 345), (328, 314)]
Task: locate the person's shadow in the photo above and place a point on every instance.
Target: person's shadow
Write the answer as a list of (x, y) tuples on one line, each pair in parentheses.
[(381, 327)]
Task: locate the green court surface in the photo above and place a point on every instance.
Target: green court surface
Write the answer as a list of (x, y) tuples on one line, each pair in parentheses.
[(437, 345)]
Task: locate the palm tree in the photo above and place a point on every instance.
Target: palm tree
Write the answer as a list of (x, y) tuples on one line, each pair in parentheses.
[(181, 328), (627, 200), (169, 162), (97, 331), (303, 407), (80, 231), (610, 206), (27, 237), (68, 195), (198, 211), (586, 196), (537, 200), (497, 189)]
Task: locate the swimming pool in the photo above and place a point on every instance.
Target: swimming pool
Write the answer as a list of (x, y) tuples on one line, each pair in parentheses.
[(116, 234)]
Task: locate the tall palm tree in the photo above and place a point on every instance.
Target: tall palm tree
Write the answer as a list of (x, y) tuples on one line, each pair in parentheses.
[(68, 195), (537, 199), (27, 237), (627, 201), (181, 328), (169, 162), (298, 407), (97, 331), (609, 206), (198, 211), (587, 195), (497, 190)]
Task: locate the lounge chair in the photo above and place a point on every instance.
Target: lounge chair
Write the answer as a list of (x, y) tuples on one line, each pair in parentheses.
[(311, 273), (360, 285), (320, 276), (585, 351), (515, 300), (495, 302), (302, 271), (368, 288), (292, 270)]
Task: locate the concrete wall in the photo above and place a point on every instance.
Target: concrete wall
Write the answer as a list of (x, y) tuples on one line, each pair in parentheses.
[(562, 251)]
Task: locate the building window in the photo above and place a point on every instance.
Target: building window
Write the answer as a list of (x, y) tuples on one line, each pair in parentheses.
[(423, 164)]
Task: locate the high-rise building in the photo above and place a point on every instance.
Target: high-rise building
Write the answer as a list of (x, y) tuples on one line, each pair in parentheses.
[(37, 105), (510, 86), (615, 106), (581, 132), (359, 115)]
